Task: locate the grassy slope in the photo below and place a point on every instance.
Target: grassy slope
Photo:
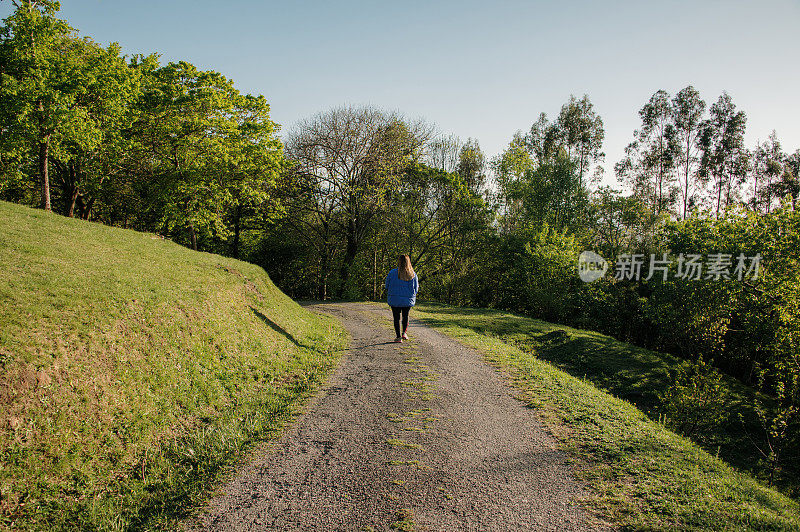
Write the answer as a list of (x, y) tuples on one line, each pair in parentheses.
[(643, 475), (133, 371)]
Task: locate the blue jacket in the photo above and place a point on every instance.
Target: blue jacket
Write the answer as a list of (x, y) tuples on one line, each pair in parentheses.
[(401, 293)]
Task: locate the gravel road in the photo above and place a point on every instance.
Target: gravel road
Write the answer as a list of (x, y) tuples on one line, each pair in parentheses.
[(422, 431)]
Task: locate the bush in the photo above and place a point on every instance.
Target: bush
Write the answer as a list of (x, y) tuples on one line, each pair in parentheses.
[(694, 403)]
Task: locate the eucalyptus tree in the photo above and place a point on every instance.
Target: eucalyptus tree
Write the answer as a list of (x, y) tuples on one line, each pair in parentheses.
[(724, 160), (767, 169), (785, 173), (650, 162), (581, 132), (541, 176), (687, 111)]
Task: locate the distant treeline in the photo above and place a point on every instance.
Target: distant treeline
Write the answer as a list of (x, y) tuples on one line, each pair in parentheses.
[(178, 151)]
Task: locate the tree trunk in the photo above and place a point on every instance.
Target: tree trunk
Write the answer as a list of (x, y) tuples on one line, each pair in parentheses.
[(193, 234), (323, 271), (349, 256), (44, 154), (73, 190), (73, 199), (237, 228), (375, 275), (87, 212)]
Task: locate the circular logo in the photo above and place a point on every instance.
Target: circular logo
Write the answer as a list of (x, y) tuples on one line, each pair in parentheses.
[(591, 266)]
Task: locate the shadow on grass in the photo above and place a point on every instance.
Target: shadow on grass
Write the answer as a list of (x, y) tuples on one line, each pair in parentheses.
[(277, 328)]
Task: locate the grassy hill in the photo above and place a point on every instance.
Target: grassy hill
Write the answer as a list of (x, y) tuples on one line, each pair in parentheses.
[(586, 388), (133, 371)]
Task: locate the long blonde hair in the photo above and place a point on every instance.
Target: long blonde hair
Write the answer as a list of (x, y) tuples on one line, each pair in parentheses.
[(404, 269)]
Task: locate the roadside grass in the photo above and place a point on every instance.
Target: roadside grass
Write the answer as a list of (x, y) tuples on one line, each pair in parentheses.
[(134, 372), (642, 475)]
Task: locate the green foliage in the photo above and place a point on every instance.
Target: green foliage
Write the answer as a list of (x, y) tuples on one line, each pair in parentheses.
[(162, 148), (725, 160), (694, 401), (215, 149)]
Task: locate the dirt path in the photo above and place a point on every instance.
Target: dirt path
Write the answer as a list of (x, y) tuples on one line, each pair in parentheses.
[(425, 426)]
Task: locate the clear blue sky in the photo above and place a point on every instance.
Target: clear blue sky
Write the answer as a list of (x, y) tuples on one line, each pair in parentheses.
[(476, 69)]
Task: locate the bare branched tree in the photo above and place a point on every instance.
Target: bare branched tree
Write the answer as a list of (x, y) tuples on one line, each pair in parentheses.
[(347, 160)]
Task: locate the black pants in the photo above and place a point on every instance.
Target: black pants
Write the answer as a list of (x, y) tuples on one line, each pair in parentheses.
[(396, 311)]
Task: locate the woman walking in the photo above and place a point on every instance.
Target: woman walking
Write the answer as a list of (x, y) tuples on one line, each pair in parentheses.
[(402, 286)]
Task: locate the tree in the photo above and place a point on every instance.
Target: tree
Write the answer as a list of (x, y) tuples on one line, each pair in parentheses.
[(87, 154), (509, 168), (210, 152), (724, 158), (472, 166), (581, 133), (347, 160), (649, 165), (39, 88), (541, 175), (617, 222), (687, 111), (767, 170), (443, 152)]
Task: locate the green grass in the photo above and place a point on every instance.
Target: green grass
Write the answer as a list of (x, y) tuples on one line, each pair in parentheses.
[(642, 475), (405, 520), (134, 372)]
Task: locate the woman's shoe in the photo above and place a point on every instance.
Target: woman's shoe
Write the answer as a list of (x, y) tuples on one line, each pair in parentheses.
[(405, 336), (398, 340)]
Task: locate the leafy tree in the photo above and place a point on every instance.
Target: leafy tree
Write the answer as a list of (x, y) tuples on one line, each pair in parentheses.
[(724, 158), (650, 162), (39, 89), (618, 223), (509, 169), (472, 165), (580, 131), (687, 112), (212, 150), (789, 183), (86, 156)]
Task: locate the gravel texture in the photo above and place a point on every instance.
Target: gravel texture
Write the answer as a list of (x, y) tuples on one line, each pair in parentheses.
[(424, 426)]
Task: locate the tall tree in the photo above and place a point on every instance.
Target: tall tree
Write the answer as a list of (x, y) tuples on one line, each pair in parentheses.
[(787, 182), (38, 91), (724, 158), (581, 133), (767, 170), (442, 152), (508, 169), (212, 150), (650, 162), (87, 154), (472, 166), (687, 111)]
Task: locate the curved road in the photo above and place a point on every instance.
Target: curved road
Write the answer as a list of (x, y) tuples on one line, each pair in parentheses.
[(422, 431)]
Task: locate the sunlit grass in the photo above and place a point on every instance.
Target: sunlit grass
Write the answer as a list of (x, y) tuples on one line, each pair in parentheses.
[(642, 476), (135, 371)]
